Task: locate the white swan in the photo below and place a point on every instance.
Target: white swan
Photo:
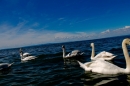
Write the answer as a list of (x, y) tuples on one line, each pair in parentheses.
[(104, 67), (102, 55), (73, 54), (26, 56), (5, 66)]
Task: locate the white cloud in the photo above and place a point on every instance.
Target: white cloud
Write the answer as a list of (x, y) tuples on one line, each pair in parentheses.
[(105, 32), (65, 36), (116, 32), (20, 35), (127, 27), (17, 36)]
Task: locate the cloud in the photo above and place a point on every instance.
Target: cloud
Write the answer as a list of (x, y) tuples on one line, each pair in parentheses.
[(65, 36), (127, 27), (22, 35), (116, 32), (107, 31)]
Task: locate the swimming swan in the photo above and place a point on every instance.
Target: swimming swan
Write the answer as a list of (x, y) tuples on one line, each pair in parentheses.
[(5, 66), (26, 56), (104, 67), (73, 54), (102, 55)]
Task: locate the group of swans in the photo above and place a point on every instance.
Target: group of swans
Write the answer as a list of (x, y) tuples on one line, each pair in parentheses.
[(98, 63), (77, 54), (104, 67), (24, 57), (27, 56)]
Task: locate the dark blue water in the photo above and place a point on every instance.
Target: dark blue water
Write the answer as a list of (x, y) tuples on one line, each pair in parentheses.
[(48, 68)]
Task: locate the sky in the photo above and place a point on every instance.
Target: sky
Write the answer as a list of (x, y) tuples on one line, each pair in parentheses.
[(33, 22)]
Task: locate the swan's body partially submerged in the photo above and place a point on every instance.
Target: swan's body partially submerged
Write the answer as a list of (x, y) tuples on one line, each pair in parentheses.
[(26, 56), (102, 55), (5, 66), (104, 67), (75, 54)]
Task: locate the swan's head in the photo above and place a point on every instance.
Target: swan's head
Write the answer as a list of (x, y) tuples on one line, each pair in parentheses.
[(63, 46), (20, 48), (126, 41), (92, 44), (21, 52)]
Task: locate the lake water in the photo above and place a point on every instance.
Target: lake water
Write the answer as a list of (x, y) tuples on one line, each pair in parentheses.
[(48, 68)]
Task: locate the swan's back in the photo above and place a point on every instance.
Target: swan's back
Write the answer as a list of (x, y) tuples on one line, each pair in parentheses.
[(26, 54), (104, 67), (107, 53), (101, 66), (76, 52), (105, 56), (28, 58), (5, 66)]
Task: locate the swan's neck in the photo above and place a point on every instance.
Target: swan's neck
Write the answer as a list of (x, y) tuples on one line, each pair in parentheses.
[(126, 55), (21, 54), (21, 57), (63, 52), (93, 52)]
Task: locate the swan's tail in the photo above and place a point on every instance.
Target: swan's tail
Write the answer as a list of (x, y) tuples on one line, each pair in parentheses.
[(82, 53), (81, 65), (10, 64), (112, 57), (115, 56)]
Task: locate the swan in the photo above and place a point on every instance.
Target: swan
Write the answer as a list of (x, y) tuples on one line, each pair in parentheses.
[(104, 67), (102, 55), (73, 54), (5, 66), (26, 56)]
